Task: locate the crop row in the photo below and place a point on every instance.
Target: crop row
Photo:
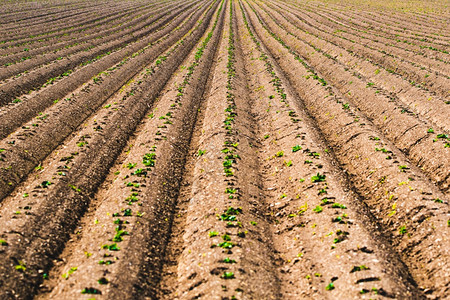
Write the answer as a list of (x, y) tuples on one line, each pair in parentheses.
[(358, 146), (415, 100), (77, 186), (36, 13), (82, 54), (414, 73), (238, 149), (406, 131), (64, 24), (108, 25), (362, 22)]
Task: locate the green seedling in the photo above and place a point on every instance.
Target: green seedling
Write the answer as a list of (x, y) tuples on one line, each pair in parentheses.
[(213, 233), (120, 222), (383, 150), (91, 290), (338, 205), (229, 261), (119, 234), (74, 188), (45, 184), (103, 280), (225, 245), (70, 272), (140, 172), (226, 237), (340, 219), (227, 163), (359, 268), (149, 159), (403, 168), (230, 191), (112, 247), (20, 267), (318, 209), (318, 178), (136, 185), (228, 172), (131, 165), (288, 163), (233, 211), (296, 148), (325, 201), (228, 275), (342, 235), (314, 154)]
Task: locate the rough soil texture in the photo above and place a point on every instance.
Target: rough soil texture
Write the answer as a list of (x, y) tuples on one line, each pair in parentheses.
[(224, 149)]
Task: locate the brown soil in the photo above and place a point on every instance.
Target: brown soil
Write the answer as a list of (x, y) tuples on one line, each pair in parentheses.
[(224, 149)]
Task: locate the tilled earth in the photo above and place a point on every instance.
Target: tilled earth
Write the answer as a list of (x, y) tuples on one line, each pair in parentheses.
[(224, 149)]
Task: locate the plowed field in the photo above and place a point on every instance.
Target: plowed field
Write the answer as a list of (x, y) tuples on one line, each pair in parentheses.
[(224, 149)]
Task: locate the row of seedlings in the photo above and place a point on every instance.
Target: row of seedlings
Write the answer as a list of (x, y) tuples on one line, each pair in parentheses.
[(148, 162)]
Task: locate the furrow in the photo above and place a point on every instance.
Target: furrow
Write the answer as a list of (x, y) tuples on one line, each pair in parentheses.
[(159, 212), (72, 196), (16, 115), (121, 188), (116, 21), (223, 250), (381, 110), (26, 153), (408, 207), (48, 73), (29, 38), (312, 206), (433, 110), (413, 72)]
